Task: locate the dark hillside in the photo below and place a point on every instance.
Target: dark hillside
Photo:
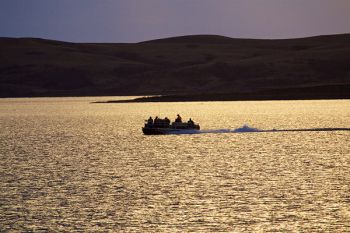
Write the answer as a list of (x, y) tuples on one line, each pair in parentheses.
[(195, 65)]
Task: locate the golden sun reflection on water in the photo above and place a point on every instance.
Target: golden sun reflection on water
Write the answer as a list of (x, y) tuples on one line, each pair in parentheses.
[(68, 165)]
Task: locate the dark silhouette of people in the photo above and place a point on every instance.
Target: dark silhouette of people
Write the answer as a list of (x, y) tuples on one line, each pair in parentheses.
[(167, 120), (178, 119), (150, 121), (190, 121)]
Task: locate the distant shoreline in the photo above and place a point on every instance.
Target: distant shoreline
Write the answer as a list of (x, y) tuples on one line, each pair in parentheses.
[(184, 99), (302, 93), (329, 92)]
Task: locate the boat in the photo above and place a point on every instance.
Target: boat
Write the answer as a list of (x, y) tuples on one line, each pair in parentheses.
[(164, 126)]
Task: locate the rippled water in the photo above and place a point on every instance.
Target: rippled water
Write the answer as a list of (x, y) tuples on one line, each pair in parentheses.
[(69, 165)]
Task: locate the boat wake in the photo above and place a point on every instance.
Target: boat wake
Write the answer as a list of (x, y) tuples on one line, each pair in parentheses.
[(247, 129)]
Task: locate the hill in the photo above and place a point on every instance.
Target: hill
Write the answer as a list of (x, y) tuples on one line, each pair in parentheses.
[(199, 65)]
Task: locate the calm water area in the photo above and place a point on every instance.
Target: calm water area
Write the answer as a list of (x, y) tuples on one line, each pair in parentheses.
[(68, 165)]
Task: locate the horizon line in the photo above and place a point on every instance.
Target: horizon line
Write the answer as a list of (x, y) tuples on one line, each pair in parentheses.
[(179, 36)]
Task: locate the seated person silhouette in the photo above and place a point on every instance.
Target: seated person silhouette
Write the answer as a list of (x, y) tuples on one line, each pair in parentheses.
[(178, 119)]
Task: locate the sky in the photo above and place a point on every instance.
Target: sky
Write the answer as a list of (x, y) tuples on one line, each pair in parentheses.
[(140, 20)]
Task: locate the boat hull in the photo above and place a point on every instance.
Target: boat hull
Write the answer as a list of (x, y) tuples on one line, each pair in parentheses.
[(162, 131)]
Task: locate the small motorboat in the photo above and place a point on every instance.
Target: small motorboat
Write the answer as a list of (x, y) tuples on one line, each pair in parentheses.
[(164, 126)]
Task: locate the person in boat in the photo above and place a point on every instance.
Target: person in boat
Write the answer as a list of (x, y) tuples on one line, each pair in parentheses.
[(190, 122), (178, 118), (167, 121), (150, 121)]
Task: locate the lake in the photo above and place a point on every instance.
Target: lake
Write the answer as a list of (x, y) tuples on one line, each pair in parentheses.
[(68, 165)]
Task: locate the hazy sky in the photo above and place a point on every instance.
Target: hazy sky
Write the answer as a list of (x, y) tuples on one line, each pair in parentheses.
[(138, 20)]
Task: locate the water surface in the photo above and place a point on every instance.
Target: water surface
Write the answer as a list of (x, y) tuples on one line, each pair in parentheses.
[(69, 165)]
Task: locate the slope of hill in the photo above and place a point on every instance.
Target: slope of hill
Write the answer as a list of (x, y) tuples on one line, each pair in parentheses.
[(189, 65)]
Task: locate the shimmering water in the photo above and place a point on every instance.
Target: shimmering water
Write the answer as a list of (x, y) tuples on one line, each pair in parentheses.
[(70, 166)]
